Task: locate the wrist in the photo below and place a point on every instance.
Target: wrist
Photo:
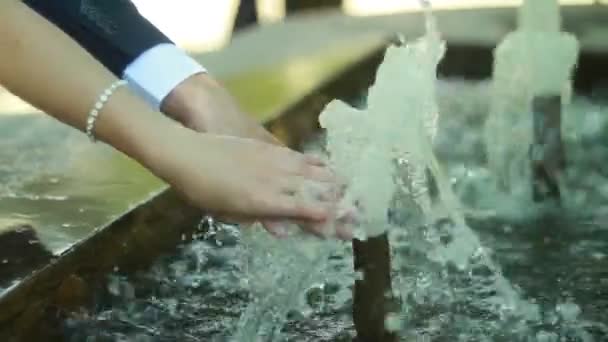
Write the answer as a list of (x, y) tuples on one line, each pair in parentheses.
[(159, 70), (138, 132), (193, 101)]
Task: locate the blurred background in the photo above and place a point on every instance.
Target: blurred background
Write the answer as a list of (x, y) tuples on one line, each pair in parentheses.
[(203, 25)]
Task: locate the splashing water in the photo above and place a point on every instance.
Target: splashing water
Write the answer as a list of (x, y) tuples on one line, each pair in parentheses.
[(535, 60), (363, 146), (277, 273)]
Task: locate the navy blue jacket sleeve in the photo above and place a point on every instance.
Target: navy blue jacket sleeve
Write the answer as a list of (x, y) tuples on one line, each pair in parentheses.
[(113, 31)]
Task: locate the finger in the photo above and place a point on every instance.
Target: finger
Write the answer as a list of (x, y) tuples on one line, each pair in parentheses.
[(313, 171), (273, 204), (344, 232), (319, 173), (312, 191), (276, 228), (295, 207), (316, 229), (346, 221), (340, 230), (349, 215), (314, 160), (235, 219), (327, 193)]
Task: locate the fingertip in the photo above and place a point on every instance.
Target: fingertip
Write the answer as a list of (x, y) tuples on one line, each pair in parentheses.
[(350, 217), (307, 210), (316, 229), (275, 228), (320, 173), (314, 160), (319, 213), (343, 233)]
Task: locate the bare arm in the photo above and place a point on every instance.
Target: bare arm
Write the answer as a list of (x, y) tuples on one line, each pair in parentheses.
[(42, 65), (222, 174), (203, 104)]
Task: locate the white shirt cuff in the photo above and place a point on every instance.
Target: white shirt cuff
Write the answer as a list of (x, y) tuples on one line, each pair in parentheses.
[(155, 73)]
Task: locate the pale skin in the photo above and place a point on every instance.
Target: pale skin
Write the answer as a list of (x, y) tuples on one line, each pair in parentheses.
[(230, 167), (202, 104)]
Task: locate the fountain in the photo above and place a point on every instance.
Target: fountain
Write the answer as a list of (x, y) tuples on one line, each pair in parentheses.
[(367, 148), (532, 70), (428, 264), (363, 145)]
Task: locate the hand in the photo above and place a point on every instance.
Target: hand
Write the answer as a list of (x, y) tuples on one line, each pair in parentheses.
[(344, 216), (201, 104), (340, 225), (245, 178)]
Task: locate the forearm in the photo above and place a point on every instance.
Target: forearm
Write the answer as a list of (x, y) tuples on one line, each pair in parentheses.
[(199, 93), (203, 104), (159, 72), (42, 65)]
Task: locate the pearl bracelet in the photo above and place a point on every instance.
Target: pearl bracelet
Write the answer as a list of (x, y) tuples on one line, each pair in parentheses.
[(101, 101)]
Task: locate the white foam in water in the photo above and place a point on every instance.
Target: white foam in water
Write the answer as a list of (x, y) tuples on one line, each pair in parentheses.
[(536, 59), (278, 273), (364, 144), (413, 71)]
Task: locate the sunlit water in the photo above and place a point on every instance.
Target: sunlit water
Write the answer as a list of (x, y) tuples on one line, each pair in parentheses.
[(51, 179), (215, 287)]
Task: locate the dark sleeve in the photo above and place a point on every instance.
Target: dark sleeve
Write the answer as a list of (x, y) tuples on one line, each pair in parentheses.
[(112, 31)]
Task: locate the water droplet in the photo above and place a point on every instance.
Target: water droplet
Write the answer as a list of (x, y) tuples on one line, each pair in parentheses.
[(544, 336), (392, 322), (114, 287), (568, 311)]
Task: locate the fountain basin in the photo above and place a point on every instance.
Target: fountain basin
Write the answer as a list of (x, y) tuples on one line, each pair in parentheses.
[(142, 218)]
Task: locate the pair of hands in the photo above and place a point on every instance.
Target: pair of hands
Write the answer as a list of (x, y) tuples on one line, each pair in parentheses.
[(240, 172)]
